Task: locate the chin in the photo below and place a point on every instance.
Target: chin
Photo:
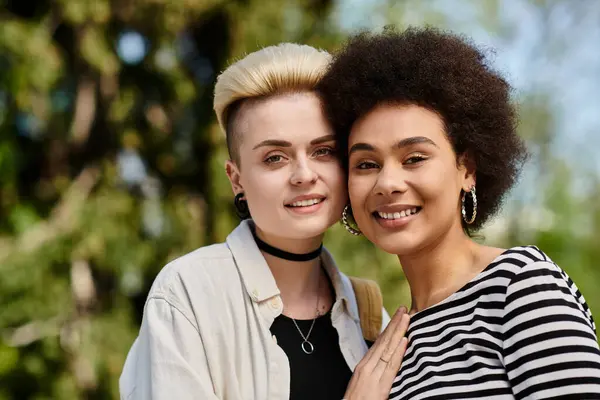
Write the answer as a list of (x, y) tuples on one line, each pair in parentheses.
[(310, 225), (295, 228), (308, 228), (399, 244)]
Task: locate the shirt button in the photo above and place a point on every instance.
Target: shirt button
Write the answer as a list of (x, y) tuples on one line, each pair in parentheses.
[(255, 294), (275, 339), (274, 303)]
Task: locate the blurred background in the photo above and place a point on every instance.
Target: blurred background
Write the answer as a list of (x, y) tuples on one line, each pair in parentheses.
[(111, 161)]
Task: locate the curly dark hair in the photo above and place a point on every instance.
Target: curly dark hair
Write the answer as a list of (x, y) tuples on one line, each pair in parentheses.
[(444, 73)]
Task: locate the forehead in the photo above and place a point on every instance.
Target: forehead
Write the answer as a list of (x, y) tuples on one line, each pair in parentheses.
[(294, 117), (391, 123)]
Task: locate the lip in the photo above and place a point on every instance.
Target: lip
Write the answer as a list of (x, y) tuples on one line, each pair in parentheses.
[(305, 197), (392, 208), (398, 223), (306, 210)]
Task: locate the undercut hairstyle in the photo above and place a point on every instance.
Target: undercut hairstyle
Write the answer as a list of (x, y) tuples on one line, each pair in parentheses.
[(271, 71), (446, 74)]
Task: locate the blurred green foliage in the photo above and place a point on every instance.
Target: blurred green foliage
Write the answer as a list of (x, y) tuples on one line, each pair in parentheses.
[(109, 169)]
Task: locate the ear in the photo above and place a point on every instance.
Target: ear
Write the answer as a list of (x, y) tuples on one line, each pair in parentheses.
[(467, 170), (233, 173)]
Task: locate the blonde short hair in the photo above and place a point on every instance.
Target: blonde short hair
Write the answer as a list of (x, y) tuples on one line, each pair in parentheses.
[(273, 70)]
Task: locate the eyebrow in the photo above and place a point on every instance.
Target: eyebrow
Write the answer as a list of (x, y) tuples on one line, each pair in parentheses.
[(322, 139), (285, 143), (273, 142), (360, 146), (411, 141)]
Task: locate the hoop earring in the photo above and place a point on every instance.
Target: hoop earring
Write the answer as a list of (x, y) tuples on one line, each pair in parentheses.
[(349, 228), (464, 210), (241, 206)]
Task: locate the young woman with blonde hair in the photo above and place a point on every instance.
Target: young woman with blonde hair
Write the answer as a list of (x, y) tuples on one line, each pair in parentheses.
[(267, 314)]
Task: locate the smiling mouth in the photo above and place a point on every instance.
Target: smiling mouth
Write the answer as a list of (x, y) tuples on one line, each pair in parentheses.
[(397, 215), (305, 203)]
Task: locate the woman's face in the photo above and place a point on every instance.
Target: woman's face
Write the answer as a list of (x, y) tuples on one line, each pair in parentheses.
[(288, 172), (404, 180)]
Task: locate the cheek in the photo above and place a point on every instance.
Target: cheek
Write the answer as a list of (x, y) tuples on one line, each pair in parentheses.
[(333, 176), (262, 185), (439, 187), (431, 186), (359, 188)]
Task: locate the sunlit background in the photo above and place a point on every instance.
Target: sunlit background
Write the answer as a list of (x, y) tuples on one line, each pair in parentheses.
[(111, 162)]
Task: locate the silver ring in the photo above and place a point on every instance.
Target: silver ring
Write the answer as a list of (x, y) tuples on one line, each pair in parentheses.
[(309, 347)]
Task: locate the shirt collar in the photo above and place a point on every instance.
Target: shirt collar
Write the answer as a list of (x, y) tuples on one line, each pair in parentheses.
[(256, 275), (259, 281), (341, 284)]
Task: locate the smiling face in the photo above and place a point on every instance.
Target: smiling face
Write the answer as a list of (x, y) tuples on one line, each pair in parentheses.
[(404, 180), (288, 172)]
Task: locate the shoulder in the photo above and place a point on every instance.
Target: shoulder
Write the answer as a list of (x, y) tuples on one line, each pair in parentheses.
[(525, 263), (517, 258), (528, 267), (520, 263), (204, 271), (539, 286)]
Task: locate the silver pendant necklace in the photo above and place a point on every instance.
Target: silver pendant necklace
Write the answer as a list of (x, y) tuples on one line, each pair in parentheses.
[(307, 346)]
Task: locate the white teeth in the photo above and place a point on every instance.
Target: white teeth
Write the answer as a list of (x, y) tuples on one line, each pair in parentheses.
[(396, 215), (306, 203)]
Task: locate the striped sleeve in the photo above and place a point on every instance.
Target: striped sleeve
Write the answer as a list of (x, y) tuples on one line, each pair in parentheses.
[(550, 349)]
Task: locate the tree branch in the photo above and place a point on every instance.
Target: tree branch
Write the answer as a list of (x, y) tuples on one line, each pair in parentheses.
[(32, 332), (85, 111), (63, 218)]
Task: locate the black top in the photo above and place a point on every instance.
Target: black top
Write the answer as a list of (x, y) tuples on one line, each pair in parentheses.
[(323, 374)]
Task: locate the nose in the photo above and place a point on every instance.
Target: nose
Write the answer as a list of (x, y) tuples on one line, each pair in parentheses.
[(390, 180), (302, 173)]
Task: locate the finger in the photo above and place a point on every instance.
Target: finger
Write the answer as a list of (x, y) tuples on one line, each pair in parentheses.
[(389, 374), (382, 342), (383, 339), (397, 335), (397, 356), (390, 359)]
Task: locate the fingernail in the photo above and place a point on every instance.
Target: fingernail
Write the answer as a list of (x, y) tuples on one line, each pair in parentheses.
[(402, 310)]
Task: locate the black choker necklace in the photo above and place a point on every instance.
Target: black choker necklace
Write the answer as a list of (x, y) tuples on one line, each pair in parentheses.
[(274, 251)]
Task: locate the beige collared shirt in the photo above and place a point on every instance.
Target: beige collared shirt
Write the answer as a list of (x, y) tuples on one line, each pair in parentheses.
[(205, 331)]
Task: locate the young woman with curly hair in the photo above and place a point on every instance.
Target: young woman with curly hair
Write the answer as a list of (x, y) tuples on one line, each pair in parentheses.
[(427, 132)]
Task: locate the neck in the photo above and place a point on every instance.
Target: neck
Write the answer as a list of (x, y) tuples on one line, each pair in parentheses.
[(298, 281), (439, 270)]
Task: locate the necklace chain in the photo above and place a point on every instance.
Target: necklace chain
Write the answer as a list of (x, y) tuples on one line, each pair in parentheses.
[(306, 345)]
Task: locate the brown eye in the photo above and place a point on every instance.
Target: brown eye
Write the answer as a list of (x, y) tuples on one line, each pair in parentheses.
[(273, 159), (367, 165), (324, 151), (415, 159)]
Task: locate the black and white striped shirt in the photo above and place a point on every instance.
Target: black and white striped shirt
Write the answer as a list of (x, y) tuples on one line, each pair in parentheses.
[(520, 329)]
